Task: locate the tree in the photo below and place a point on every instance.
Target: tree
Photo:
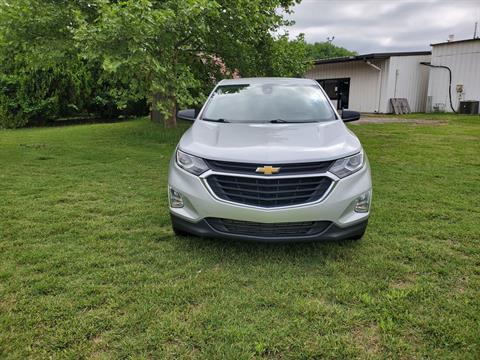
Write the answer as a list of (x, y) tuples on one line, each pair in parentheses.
[(42, 76), (288, 57), (172, 51), (323, 50), (32, 52), (63, 57)]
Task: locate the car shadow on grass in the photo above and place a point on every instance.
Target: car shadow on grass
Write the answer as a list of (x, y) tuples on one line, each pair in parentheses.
[(240, 250)]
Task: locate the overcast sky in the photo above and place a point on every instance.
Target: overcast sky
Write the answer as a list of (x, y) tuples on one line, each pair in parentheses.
[(385, 25)]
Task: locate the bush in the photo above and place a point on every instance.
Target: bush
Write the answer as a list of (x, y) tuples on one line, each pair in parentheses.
[(9, 119), (26, 98), (36, 97)]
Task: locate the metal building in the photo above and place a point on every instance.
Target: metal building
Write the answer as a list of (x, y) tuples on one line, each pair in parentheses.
[(367, 82), (462, 59)]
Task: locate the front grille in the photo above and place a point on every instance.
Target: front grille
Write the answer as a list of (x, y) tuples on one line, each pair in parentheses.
[(250, 168), (272, 192), (288, 229)]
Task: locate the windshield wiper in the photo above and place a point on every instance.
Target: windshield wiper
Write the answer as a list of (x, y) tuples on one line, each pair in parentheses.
[(221, 120), (281, 121)]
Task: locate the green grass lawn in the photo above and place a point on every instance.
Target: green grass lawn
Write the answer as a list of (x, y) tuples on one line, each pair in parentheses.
[(90, 267)]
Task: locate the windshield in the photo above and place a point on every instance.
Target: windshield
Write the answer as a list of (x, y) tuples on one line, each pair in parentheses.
[(277, 103)]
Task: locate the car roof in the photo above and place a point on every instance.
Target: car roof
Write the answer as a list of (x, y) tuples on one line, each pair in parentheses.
[(267, 80)]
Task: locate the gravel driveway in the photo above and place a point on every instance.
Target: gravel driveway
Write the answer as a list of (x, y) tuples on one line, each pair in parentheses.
[(365, 119)]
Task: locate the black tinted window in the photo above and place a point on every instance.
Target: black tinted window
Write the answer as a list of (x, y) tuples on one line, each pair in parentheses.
[(267, 102)]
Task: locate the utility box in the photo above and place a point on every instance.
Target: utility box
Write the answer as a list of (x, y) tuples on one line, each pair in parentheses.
[(468, 107)]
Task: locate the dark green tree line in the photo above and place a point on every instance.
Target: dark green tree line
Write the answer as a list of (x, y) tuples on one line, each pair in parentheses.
[(107, 57), (325, 50)]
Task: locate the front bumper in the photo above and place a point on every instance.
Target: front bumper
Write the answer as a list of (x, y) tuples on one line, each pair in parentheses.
[(203, 229), (337, 206)]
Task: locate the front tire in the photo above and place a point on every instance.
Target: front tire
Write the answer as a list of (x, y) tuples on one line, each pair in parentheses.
[(358, 237), (179, 232)]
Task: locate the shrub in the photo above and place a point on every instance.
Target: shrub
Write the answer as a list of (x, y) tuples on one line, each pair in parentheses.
[(36, 97)]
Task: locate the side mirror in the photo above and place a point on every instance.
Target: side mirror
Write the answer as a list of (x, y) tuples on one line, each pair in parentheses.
[(348, 115), (187, 114)]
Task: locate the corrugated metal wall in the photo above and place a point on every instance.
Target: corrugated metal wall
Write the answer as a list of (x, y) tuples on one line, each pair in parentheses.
[(406, 79), (371, 90), (463, 58), (363, 81)]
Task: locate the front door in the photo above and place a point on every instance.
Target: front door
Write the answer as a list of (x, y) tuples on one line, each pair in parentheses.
[(337, 90)]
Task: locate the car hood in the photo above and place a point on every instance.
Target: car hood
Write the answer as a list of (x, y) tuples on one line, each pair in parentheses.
[(270, 143)]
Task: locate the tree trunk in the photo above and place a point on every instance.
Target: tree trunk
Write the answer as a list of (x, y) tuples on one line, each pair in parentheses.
[(171, 120), (155, 113)]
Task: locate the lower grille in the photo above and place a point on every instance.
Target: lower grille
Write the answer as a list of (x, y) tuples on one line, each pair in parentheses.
[(272, 192), (288, 229)]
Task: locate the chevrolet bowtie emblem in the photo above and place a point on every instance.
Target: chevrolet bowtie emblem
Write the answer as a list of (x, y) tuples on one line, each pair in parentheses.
[(268, 170)]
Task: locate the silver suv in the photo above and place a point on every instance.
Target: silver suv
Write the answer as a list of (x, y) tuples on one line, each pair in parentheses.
[(269, 159)]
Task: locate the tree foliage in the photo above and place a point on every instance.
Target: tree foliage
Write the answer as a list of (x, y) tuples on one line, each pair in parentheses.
[(324, 50), (172, 51), (107, 57), (42, 76), (32, 61)]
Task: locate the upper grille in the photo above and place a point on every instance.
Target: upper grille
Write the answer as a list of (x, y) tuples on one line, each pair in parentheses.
[(271, 192), (288, 229), (249, 168)]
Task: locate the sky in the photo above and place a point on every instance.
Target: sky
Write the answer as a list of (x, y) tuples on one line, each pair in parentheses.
[(368, 26)]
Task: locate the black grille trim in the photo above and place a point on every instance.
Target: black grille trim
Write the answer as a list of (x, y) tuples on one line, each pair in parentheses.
[(268, 230), (271, 192), (250, 168)]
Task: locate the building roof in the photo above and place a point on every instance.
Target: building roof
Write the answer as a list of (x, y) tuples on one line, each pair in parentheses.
[(371, 56), (455, 42)]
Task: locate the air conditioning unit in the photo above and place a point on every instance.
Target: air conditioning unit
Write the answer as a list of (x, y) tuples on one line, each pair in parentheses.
[(468, 107)]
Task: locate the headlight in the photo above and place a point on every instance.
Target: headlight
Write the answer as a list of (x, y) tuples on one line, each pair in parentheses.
[(190, 163), (347, 166)]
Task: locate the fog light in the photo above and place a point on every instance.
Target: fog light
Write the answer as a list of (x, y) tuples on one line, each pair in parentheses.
[(176, 200), (363, 203)]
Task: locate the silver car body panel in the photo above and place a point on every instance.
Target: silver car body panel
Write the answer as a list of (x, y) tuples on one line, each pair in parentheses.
[(270, 143)]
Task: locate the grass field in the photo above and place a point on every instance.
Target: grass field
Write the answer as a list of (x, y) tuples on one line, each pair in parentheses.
[(90, 268)]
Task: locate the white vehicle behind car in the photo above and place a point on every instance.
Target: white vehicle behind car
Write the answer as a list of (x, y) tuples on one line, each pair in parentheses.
[(269, 159)]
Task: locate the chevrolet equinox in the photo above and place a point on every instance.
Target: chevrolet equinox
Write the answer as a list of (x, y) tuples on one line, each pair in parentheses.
[(269, 159)]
